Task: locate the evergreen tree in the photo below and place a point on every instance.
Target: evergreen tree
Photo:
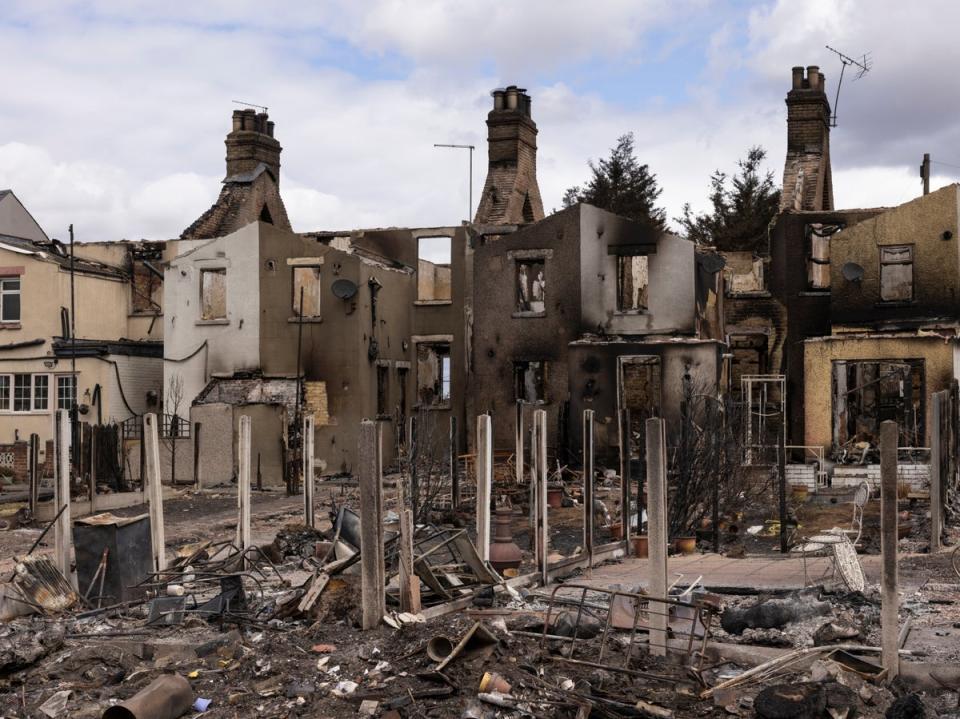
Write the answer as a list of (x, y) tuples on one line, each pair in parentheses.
[(742, 207), (621, 185)]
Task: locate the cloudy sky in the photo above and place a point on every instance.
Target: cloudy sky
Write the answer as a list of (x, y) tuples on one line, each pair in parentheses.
[(114, 111)]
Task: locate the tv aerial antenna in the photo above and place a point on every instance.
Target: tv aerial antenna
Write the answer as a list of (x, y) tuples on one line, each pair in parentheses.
[(861, 67), (250, 104)]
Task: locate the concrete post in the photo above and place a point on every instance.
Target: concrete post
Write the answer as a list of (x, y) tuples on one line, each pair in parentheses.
[(373, 584), (412, 452), (154, 490), (534, 489), (62, 537), (657, 523), (588, 485), (409, 581), (543, 529), (308, 468), (243, 487), (936, 496), (484, 483), (890, 600)]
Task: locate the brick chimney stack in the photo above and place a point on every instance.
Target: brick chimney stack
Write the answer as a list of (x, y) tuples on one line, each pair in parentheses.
[(511, 194), (251, 142), (807, 177)]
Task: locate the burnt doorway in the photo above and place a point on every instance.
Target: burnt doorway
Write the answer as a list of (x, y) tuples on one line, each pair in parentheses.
[(639, 390)]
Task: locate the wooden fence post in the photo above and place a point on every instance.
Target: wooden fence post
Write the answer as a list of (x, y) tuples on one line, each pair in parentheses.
[(150, 445)]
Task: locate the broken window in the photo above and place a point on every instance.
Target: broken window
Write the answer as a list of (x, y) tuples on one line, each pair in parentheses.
[(896, 273), (633, 280), (529, 381), (433, 374), (433, 269), (146, 286), (531, 286), (867, 392), (10, 299), (306, 287), (383, 390), (818, 254), (213, 294)]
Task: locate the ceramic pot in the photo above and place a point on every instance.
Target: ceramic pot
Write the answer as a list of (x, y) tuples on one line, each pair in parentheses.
[(640, 546)]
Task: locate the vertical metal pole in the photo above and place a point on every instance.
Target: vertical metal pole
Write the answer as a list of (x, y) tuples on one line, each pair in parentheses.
[(518, 450), (33, 460), (151, 447), (889, 607), (292, 479), (626, 495), (454, 472), (588, 485), (308, 469), (657, 509), (543, 528), (414, 443), (484, 466), (936, 522), (717, 478), (243, 488), (470, 195), (62, 538), (782, 479), (925, 173), (372, 588)]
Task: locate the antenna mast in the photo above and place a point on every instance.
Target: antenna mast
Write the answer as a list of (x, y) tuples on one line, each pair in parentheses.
[(862, 66)]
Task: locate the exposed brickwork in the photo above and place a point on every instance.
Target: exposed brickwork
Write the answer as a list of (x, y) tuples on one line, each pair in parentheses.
[(511, 194), (20, 464), (807, 178), (251, 189)]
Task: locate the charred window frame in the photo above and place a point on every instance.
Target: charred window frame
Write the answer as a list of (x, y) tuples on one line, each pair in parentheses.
[(633, 283), (530, 381), (306, 278), (434, 374), (146, 286), (817, 237), (896, 273), (213, 294), (530, 274), (867, 392), (434, 281)]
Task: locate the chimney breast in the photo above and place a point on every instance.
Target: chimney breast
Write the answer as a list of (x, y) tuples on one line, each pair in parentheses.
[(251, 143)]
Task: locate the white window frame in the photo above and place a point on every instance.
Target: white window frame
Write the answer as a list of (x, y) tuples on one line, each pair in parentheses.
[(57, 395), (7, 406), (4, 292)]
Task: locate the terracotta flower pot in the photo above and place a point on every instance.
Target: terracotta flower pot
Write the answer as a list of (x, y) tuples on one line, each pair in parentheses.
[(616, 532), (640, 546), (554, 498), (685, 545)]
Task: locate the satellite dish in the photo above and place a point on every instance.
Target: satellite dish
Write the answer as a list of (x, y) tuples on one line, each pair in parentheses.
[(852, 272), (344, 289)]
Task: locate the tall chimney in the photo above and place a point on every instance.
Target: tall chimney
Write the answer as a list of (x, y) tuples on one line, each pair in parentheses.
[(250, 143), (511, 195), (807, 176)]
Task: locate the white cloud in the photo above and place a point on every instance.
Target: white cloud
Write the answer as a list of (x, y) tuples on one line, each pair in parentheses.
[(115, 112)]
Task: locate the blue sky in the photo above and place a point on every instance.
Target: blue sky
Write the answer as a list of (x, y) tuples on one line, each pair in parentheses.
[(115, 112)]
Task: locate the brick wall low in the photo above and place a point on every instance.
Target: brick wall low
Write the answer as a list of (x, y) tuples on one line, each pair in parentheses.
[(802, 475), (916, 475)]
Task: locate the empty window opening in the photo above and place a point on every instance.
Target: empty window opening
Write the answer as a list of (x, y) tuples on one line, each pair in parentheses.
[(640, 393), (433, 269), (306, 282), (527, 209), (10, 299), (383, 391), (865, 393), (896, 273), (433, 374), (749, 358), (633, 280), (213, 294), (818, 254), (147, 286), (265, 215), (531, 286), (529, 381)]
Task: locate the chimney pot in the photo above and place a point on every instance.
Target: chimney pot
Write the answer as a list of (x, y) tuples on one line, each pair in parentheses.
[(512, 97), (237, 120), (798, 77), (813, 77), (270, 127), (497, 99)]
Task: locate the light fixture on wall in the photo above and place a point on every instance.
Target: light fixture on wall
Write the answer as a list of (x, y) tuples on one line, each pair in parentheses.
[(50, 363)]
